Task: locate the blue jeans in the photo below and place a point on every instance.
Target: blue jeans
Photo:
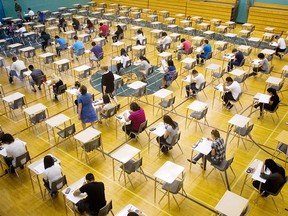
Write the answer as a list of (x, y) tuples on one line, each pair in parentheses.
[(14, 73)]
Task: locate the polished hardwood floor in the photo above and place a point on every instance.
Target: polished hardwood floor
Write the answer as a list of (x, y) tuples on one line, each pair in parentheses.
[(203, 192)]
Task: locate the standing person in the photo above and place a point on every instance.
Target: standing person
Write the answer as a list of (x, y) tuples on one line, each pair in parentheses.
[(184, 48), (36, 74), (124, 58), (14, 148), (218, 152), (62, 24), (16, 68), (206, 50), (117, 34), (52, 173), (104, 29), (171, 129), (86, 112), (140, 37), (274, 180), (165, 39), (95, 199), (76, 47), (263, 65), (232, 90), (281, 46), (168, 76), (145, 66), (107, 84), (61, 42), (98, 54), (237, 61), (76, 24), (18, 10), (45, 37), (196, 79), (29, 16), (137, 117), (273, 102)]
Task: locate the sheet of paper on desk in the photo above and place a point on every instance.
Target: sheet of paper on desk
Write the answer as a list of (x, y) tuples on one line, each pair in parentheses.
[(39, 169), (264, 98), (75, 199)]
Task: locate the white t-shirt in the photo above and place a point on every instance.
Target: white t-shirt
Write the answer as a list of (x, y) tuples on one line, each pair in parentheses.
[(22, 29), (145, 65), (166, 40), (140, 37), (199, 79), (18, 65), (124, 59), (235, 89), (15, 149), (31, 13), (281, 43), (52, 173), (172, 132)]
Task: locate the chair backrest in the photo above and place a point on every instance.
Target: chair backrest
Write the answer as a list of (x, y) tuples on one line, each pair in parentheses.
[(242, 62), (118, 83), (150, 70), (167, 46), (128, 63), (41, 79), (144, 41), (81, 51), (209, 55), (190, 50), (62, 89), (276, 108), (111, 112), (65, 46), (121, 36), (142, 126), (129, 48), (171, 101), (22, 159), (106, 209), (204, 113), (246, 211), (238, 98), (92, 145), (137, 164), (68, 131), (175, 138), (270, 69), (141, 92), (39, 117), (58, 184), (175, 76), (229, 162), (202, 86)]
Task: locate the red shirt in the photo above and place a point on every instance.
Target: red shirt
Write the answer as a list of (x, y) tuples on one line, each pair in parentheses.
[(104, 28), (137, 117), (186, 45)]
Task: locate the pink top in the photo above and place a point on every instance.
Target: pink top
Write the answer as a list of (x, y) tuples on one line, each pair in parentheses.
[(137, 117), (186, 45), (104, 28)]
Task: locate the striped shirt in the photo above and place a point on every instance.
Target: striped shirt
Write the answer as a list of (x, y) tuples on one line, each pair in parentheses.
[(220, 149)]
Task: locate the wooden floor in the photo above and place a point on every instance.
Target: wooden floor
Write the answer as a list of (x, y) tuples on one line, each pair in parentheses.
[(203, 193)]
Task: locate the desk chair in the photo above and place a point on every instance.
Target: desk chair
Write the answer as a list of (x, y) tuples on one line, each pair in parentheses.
[(208, 57), (222, 168), (175, 141), (247, 54), (282, 54), (30, 55), (174, 188), (110, 113), (38, 118), (55, 187), (279, 87), (61, 90), (242, 79), (142, 128), (104, 211), (274, 111), (81, 53), (201, 89), (174, 78), (197, 116), (67, 132), (20, 162), (167, 104), (243, 213), (118, 84), (218, 75), (139, 93), (237, 100), (281, 149), (242, 63), (132, 166), (241, 133), (90, 146), (19, 103), (64, 49)]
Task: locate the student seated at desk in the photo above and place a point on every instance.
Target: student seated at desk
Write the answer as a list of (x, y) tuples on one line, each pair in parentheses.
[(15, 69), (273, 102), (196, 79), (36, 74), (89, 27), (168, 76), (76, 24), (104, 29), (132, 213), (237, 61), (52, 173), (171, 129), (206, 50), (263, 65), (98, 54), (281, 46), (119, 33), (124, 58), (41, 17), (165, 39), (103, 108), (56, 82), (183, 48), (14, 148), (218, 152), (62, 23), (61, 42), (274, 180), (45, 37), (140, 37), (10, 27), (232, 90), (95, 198), (145, 65), (137, 116), (21, 30), (29, 16), (76, 47)]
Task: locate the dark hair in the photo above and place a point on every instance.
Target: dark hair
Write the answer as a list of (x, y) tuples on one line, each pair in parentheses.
[(139, 31), (194, 71), (77, 84), (31, 67), (277, 36), (168, 120), (229, 79), (182, 40), (261, 56), (7, 138), (272, 91), (119, 27), (29, 8), (144, 58), (89, 177), (93, 43), (106, 99), (14, 58), (89, 22), (56, 37), (101, 24), (170, 63), (43, 33), (234, 50), (20, 25), (164, 34), (132, 214), (48, 161), (215, 133), (134, 106), (83, 89), (206, 41), (123, 52), (274, 167), (75, 37)]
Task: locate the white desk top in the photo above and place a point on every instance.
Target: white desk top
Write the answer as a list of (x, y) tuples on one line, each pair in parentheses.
[(203, 146), (174, 35), (45, 55), (120, 117), (257, 165), (82, 68), (215, 20), (118, 43), (221, 43), (28, 33), (266, 34), (213, 66), (169, 172), (69, 32), (208, 32), (14, 45), (83, 35), (162, 93), (244, 31), (156, 31), (247, 24), (185, 21), (254, 39), (229, 22), (239, 120), (221, 27), (135, 27), (26, 49), (255, 62), (262, 98), (205, 24), (196, 17), (188, 60), (35, 109), (268, 51), (197, 38), (230, 35), (231, 204), (73, 91), (273, 80), (164, 54), (138, 47), (159, 129), (52, 28), (197, 106), (137, 85), (13, 97), (243, 47), (62, 61), (38, 166), (125, 153), (219, 87), (76, 185), (39, 26), (87, 135), (237, 72), (269, 29), (57, 120)]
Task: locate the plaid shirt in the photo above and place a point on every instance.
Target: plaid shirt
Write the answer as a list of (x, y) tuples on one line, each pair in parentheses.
[(220, 149)]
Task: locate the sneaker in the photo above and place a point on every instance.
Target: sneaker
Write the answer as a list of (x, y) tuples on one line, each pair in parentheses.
[(230, 107), (34, 90), (192, 161), (118, 107), (39, 87), (99, 121), (187, 96)]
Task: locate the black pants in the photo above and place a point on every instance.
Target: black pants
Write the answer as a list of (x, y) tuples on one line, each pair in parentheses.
[(44, 45), (8, 161), (163, 144), (128, 129), (198, 56), (83, 206), (192, 86), (115, 38), (231, 64), (227, 97), (119, 66), (279, 50), (265, 106)]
